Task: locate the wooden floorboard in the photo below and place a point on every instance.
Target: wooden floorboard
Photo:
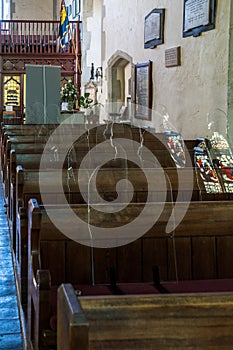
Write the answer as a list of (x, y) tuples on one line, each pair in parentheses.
[(10, 327)]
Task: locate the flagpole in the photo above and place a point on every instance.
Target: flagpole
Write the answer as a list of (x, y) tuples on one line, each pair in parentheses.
[(75, 52), (64, 25)]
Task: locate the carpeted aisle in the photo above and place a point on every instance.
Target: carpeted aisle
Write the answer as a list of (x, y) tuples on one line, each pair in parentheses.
[(10, 329)]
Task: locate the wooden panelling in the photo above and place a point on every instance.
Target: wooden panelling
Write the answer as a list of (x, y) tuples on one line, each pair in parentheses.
[(154, 253), (129, 262), (203, 258), (224, 255)]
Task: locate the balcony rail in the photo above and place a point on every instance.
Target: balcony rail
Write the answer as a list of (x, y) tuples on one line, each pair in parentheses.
[(37, 37)]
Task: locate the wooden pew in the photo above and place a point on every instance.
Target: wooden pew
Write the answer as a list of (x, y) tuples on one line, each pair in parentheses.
[(11, 141), (23, 128), (33, 131), (21, 147), (194, 321), (83, 146), (161, 151), (27, 183), (34, 136), (31, 159), (27, 150), (149, 140), (155, 142), (28, 161), (175, 188), (158, 148), (21, 155), (28, 186), (200, 247)]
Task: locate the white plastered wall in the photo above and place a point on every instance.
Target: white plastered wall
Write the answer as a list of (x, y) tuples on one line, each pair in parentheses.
[(189, 91), (33, 10)]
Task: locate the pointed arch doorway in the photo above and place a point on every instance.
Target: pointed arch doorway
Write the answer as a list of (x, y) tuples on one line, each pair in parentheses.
[(120, 79)]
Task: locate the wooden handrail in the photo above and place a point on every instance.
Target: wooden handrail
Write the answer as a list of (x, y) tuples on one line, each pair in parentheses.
[(36, 37)]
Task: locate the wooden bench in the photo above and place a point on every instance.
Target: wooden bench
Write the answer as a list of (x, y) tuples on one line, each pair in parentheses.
[(82, 147), (200, 248), (23, 149), (152, 141), (20, 147), (34, 135), (21, 155), (195, 321), (28, 186), (10, 141), (161, 153), (36, 130), (29, 160)]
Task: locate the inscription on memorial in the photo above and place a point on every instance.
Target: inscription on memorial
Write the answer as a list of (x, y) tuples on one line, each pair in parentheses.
[(142, 89), (152, 27), (197, 13), (172, 57)]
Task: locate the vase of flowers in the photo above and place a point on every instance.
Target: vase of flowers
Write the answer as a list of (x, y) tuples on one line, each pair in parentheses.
[(85, 100), (69, 95)]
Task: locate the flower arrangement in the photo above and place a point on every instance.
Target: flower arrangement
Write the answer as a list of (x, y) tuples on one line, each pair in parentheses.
[(85, 101), (69, 94)]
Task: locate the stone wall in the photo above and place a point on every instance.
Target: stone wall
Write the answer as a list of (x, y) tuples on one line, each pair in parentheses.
[(32, 10)]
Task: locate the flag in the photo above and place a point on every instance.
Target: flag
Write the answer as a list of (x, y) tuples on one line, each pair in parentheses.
[(64, 26)]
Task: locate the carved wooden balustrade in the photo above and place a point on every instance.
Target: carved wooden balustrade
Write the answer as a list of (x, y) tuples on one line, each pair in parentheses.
[(24, 42), (37, 42), (36, 37)]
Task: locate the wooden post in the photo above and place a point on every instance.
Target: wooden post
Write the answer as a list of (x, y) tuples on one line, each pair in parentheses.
[(77, 65)]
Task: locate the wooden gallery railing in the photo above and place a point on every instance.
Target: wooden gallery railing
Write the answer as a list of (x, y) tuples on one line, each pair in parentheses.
[(37, 37)]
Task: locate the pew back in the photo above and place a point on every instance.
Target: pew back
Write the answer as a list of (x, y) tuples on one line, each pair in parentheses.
[(203, 242), (196, 321)]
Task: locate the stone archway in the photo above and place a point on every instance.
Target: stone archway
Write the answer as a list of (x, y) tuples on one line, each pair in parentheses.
[(120, 72)]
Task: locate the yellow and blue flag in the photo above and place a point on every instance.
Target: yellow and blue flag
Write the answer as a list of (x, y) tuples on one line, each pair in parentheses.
[(64, 26)]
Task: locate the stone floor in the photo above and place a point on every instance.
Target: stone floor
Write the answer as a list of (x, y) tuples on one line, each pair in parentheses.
[(10, 328)]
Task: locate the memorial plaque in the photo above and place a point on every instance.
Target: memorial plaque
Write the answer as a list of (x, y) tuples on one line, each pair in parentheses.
[(199, 16), (154, 28), (196, 13), (143, 90), (172, 57)]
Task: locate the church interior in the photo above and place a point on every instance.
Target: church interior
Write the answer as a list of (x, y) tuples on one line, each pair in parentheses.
[(116, 175)]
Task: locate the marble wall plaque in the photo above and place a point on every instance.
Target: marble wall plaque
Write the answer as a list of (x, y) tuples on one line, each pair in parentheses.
[(197, 13)]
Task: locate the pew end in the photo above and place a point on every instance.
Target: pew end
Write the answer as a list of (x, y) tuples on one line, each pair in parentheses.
[(72, 325), (181, 321)]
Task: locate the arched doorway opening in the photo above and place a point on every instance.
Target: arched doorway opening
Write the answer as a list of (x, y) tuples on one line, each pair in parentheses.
[(120, 73)]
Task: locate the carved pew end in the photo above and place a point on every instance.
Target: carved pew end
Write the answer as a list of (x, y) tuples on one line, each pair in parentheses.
[(72, 324)]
